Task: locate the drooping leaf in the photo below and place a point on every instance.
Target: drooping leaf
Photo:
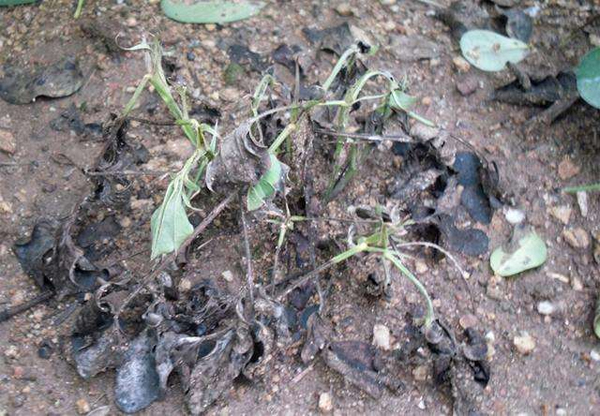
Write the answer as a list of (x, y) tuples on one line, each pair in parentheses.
[(169, 223), (15, 2), (267, 185), (490, 51), (526, 251), (402, 101), (588, 77), (210, 11)]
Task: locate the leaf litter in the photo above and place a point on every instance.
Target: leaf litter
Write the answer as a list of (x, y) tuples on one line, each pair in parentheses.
[(149, 330)]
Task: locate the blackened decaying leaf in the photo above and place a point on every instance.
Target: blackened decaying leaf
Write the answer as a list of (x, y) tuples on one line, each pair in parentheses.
[(473, 197), (240, 160), (137, 382), (470, 241), (97, 239), (286, 55), (22, 86), (317, 336), (214, 373), (71, 120), (242, 55), (53, 260), (463, 16), (543, 92), (258, 365), (337, 38), (519, 25), (357, 362), (475, 351)]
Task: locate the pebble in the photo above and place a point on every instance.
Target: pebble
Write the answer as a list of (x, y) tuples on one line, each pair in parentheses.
[(514, 216), (562, 213), (83, 407), (546, 308), (227, 275), (576, 284), (467, 321), (595, 355), (185, 285), (582, 201), (210, 27), (421, 267), (420, 373), (11, 352), (423, 132), (467, 85), (381, 337), (524, 343), (325, 403), (461, 64), (387, 2), (567, 169), (45, 350), (191, 56), (7, 142), (230, 94), (131, 22), (344, 9), (5, 208), (421, 404), (576, 237)]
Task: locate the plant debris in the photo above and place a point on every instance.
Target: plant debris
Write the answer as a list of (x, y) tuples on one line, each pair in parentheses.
[(22, 86)]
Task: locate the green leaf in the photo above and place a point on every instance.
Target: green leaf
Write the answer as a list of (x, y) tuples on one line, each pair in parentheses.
[(400, 100), (170, 225), (597, 318), (490, 51), (527, 250), (15, 2), (209, 11), (267, 185), (588, 77)]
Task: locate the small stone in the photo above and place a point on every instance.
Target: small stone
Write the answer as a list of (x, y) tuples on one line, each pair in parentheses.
[(546, 308), (461, 64), (514, 216), (582, 201), (191, 56), (467, 321), (576, 237), (125, 222), (185, 285), (83, 407), (11, 352), (421, 404), (45, 350), (524, 343), (5, 208), (576, 284), (325, 403), (131, 22), (18, 372), (227, 275), (421, 267), (381, 337), (387, 2), (467, 85), (426, 101), (344, 9), (567, 169), (230, 94), (423, 132), (562, 213), (420, 373), (595, 355), (210, 27), (7, 142)]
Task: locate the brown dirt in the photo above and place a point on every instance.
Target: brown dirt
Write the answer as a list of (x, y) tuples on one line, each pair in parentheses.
[(36, 181)]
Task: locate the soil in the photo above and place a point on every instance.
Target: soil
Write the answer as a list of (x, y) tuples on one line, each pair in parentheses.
[(45, 176)]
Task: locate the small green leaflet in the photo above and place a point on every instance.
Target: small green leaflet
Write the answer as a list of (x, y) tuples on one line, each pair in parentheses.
[(209, 11), (170, 225), (402, 101), (267, 185), (588, 77), (15, 2), (490, 51), (597, 319), (528, 251)]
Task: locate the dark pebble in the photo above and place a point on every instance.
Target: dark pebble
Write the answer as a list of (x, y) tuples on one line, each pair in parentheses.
[(45, 350), (191, 56)]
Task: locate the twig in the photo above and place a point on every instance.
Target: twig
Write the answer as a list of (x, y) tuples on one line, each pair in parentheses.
[(249, 271), (400, 138), (8, 313), (173, 256)]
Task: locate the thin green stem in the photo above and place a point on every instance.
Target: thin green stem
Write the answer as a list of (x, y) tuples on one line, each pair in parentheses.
[(79, 9), (594, 187)]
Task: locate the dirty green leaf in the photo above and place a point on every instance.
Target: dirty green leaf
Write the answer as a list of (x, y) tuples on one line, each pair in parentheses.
[(169, 223), (490, 51), (588, 77), (526, 251), (268, 184), (15, 2), (597, 318), (402, 101), (209, 11)]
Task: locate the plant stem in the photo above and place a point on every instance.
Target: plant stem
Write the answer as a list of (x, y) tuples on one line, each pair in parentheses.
[(594, 187), (79, 9), (430, 315)]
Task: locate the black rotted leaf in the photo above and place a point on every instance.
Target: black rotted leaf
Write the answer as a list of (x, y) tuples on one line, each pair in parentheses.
[(519, 24), (22, 86), (337, 38), (214, 373), (285, 55), (542, 92), (469, 169), (137, 383), (470, 241), (242, 55), (476, 348), (97, 238), (34, 254), (317, 334)]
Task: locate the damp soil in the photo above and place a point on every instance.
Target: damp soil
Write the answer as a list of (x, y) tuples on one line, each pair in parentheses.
[(55, 147)]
